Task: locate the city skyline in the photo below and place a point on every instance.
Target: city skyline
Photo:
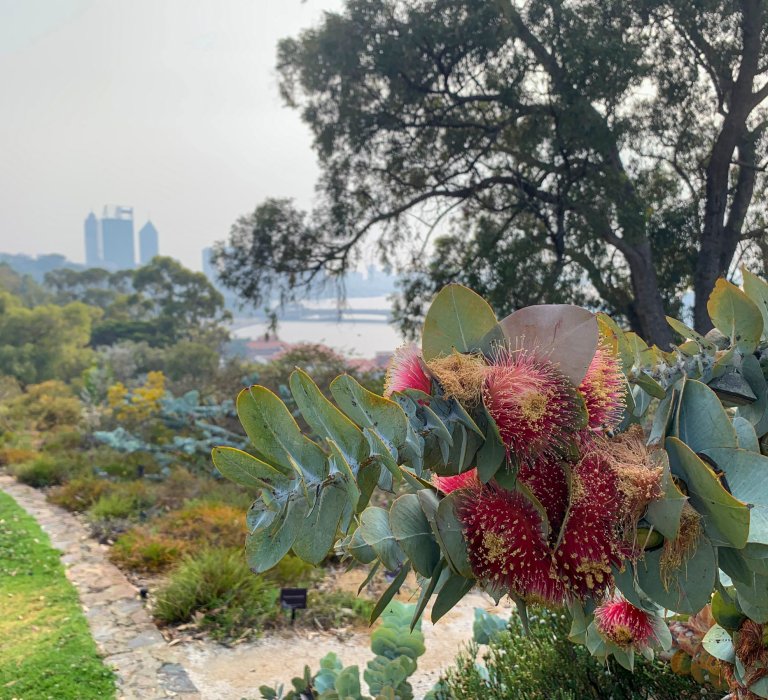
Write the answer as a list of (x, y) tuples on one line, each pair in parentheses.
[(110, 242), (172, 106)]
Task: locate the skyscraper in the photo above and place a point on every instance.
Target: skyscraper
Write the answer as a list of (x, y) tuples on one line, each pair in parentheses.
[(148, 243), (92, 242), (117, 238)]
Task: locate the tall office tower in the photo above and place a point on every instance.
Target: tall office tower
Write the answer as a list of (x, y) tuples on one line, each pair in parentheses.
[(148, 243), (117, 238), (92, 242)]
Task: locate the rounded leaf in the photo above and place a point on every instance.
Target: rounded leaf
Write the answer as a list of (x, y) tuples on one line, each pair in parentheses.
[(459, 319), (564, 334)]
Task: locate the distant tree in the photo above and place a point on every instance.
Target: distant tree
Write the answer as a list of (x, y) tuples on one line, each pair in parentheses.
[(23, 286), (160, 304), (45, 342), (609, 150)]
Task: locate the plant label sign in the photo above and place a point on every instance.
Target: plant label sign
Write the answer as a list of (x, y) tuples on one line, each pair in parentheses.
[(293, 599)]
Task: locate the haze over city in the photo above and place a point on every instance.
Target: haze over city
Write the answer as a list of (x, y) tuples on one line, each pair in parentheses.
[(171, 108)]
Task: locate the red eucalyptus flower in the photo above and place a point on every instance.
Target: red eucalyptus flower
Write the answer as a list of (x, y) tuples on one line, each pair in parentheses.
[(533, 404), (406, 371), (625, 625), (506, 543), (603, 390)]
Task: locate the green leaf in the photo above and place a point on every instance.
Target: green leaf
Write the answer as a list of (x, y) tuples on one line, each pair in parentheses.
[(277, 437), (412, 531), (745, 434), (450, 593), (440, 574), (757, 290), (726, 520), (492, 453), (649, 385), (375, 530), (359, 549), (664, 514), (264, 548), (735, 315), (317, 532), (686, 332), (746, 474), (718, 643), (560, 333), (246, 470), (390, 593), (369, 410), (726, 612), (326, 420), (452, 535), (691, 585), (459, 319), (757, 411), (701, 421)]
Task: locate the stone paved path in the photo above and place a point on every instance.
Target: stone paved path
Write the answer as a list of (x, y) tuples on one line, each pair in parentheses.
[(147, 668)]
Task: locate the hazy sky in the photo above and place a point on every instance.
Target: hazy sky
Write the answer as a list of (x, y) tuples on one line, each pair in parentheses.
[(170, 106)]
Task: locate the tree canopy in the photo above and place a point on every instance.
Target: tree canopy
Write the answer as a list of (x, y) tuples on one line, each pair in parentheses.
[(160, 303), (609, 153)]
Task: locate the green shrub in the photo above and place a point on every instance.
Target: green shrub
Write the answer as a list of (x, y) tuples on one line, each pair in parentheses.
[(544, 665), (126, 500), (217, 584), (42, 471), (15, 455), (142, 550), (333, 609), (292, 572), (80, 493)]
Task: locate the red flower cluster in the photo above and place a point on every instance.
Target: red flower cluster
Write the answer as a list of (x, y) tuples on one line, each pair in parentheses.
[(557, 539)]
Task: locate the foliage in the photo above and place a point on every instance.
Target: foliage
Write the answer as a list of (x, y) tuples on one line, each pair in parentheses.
[(80, 493), (635, 530), (43, 471), (45, 342), (135, 407), (162, 542), (161, 303), (330, 609), (14, 455), (548, 143), (396, 647), (47, 406), (543, 665), (46, 648), (217, 586), (122, 501)]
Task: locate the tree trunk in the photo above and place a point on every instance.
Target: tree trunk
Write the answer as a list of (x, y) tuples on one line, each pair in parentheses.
[(648, 306), (718, 240)]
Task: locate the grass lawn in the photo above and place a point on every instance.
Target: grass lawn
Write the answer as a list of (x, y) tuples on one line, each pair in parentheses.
[(46, 649)]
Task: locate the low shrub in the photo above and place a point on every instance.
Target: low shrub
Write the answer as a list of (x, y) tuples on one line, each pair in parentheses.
[(124, 500), (63, 440), (16, 455), (142, 550), (213, 524), (216, 588), (333, 609), (292, 572), (161, 543), (544, 665), (80, 493), (41, 471)]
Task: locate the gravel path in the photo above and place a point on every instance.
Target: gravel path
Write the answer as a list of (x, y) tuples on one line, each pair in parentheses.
[(146, 667)]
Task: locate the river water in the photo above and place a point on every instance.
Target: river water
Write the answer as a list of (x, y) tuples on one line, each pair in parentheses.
[(359, 334)]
